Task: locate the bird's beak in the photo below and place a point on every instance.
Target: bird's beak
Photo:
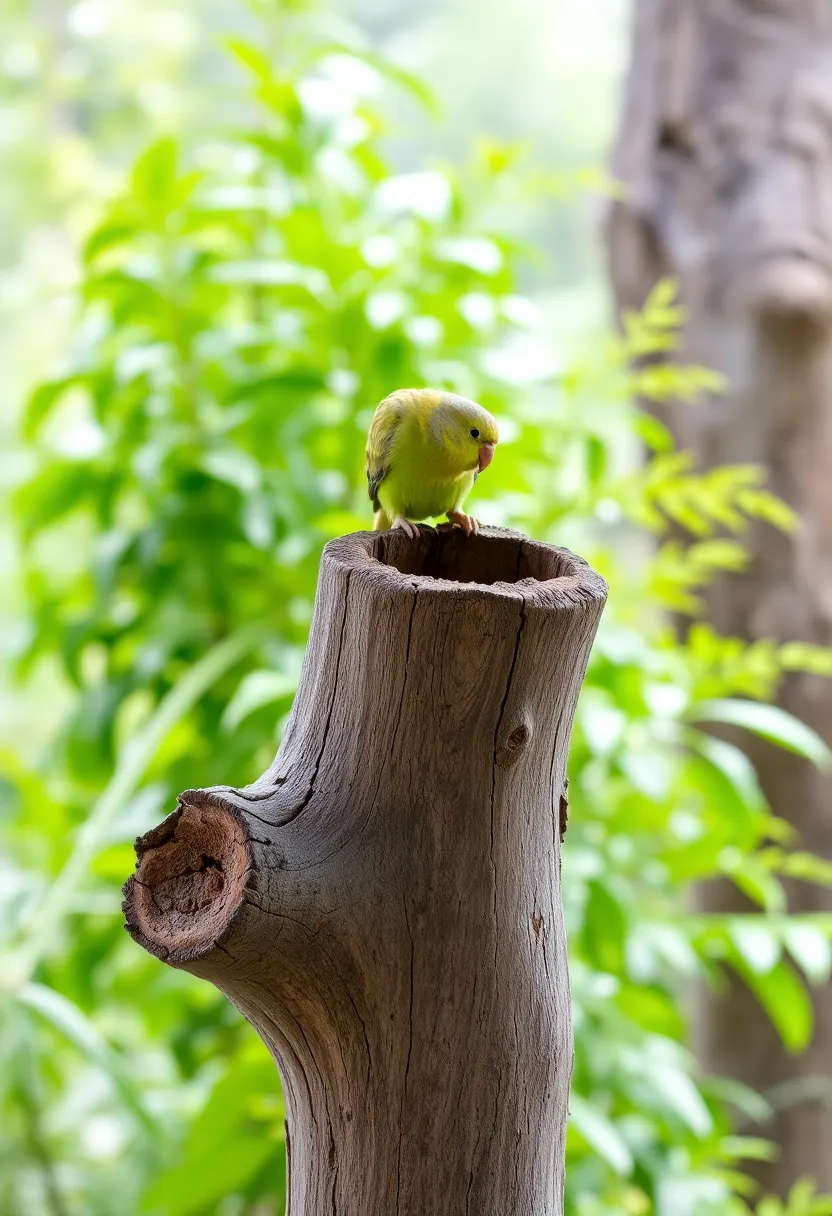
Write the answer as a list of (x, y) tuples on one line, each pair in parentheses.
[(486, 455)]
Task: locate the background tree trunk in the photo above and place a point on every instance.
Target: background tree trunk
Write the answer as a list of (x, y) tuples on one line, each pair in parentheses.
[(725, 147), (384, 904)]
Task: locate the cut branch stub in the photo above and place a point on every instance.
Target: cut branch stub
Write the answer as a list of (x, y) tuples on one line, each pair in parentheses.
[(384, 903)]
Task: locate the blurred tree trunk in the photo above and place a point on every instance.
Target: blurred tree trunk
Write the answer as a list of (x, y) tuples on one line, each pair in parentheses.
[(725, 150)]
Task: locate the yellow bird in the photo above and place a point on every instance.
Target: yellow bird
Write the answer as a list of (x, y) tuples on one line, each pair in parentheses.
[(425, 450)]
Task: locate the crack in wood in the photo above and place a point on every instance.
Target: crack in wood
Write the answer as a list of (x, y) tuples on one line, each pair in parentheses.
[(494, 778), (471, 1173), (409, 1053), (406, 668), (307, 798)]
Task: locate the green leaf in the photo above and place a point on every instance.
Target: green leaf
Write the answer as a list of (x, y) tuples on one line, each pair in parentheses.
[(251, 57), (682, 1096), (810, 949), (42, 401), (769, 722), (155, 177), (410, 82), (762, 505), (747, 1101), (596, 458), (657, 436), (754, 879), (233, 466), (59, 489), (800, 656), (748, 1148), (600, 1134), (718, 554), (69, 1021), (803, 1200), (734, 766), (785, 1000), (806, 866), (604, 929), (255, 690), (757, 944), (770, 1206), (229, 1143), (111, 233), (662, 297)]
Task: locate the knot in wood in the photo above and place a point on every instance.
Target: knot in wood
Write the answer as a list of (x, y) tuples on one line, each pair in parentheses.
[(512, 743)]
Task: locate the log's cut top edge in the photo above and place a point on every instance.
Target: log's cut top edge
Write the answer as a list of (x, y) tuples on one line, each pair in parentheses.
[(498, 563)]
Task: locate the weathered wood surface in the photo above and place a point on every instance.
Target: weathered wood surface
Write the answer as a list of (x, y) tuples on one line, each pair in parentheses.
[(384, 903), (725, 149)]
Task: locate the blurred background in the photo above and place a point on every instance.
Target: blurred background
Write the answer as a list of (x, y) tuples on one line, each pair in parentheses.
[(226, 231)]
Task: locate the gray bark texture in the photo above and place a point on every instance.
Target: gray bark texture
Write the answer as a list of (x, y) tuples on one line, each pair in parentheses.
[(384, 903), (725, 151)]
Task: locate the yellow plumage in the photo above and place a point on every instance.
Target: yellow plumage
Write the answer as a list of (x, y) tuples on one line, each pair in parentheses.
[(425, 450)]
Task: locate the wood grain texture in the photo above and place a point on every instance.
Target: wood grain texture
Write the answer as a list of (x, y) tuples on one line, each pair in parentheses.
[(725, 148), (384, 903)]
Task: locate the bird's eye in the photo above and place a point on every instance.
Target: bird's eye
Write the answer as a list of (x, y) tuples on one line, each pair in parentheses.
[(474, 433)]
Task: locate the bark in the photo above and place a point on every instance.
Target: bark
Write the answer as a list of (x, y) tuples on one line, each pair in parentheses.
[(384, 903), (725, 149)]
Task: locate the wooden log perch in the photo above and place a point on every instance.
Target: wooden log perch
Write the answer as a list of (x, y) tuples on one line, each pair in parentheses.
[(384, 903)]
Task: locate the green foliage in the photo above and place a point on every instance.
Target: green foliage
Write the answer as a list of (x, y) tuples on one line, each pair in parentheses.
[(243, 305), (802, 1200)]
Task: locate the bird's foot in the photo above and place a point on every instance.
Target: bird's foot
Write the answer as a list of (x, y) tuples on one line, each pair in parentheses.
[(467, 522), (405, 525)]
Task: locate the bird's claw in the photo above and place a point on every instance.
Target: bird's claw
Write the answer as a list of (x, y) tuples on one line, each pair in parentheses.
[(469, 525), (410, 530)]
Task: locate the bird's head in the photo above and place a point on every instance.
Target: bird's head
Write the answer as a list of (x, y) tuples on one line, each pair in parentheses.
[(467, 432)]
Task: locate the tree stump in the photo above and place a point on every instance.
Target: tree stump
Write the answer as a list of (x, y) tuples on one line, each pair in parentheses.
[(384, 903)]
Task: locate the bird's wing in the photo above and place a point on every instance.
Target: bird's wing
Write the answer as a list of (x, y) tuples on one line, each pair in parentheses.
[(380, 443)]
